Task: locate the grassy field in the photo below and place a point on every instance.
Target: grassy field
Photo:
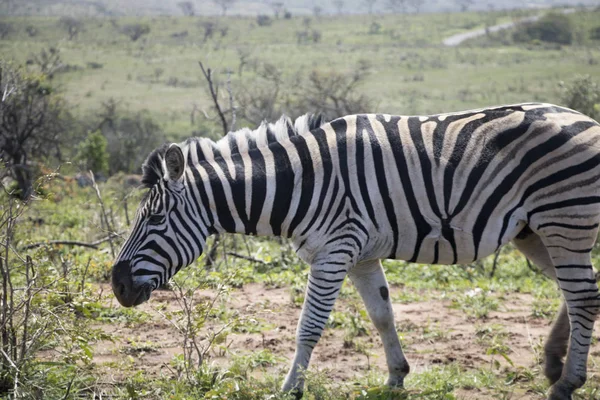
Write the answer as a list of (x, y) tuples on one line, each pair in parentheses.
[(467, 335), (410, 71)]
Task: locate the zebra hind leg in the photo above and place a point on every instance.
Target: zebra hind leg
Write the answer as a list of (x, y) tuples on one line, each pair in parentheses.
[(570, 253), (369, 279), (555, 349)]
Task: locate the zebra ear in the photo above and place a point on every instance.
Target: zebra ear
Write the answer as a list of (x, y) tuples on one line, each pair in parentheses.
[(174, 162)]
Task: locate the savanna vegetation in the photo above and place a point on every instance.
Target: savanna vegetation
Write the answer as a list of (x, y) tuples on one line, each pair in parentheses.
[(83, 94)]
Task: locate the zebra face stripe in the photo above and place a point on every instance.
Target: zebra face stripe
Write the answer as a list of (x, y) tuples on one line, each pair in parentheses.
[(167, 235)]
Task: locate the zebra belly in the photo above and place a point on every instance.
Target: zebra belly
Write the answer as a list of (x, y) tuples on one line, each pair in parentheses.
[(451, 244)]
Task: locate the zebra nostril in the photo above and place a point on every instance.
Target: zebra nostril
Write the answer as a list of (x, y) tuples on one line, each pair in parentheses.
[(121, 289)]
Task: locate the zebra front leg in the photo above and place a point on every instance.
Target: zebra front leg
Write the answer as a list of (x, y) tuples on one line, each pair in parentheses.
[(322, 290), (369, 279)]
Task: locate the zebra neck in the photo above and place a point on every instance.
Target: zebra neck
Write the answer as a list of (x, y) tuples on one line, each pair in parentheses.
[(255, 192)]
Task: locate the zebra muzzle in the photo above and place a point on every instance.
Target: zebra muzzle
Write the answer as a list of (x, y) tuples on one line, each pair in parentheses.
[(126, 291)]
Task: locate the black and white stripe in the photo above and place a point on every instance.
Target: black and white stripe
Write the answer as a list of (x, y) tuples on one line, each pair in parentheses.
[(449, 188)]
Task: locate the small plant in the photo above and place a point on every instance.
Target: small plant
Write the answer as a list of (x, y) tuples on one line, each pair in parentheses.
[(476, 303)]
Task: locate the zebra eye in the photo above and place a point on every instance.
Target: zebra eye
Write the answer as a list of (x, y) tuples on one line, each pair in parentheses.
[(155, 219)]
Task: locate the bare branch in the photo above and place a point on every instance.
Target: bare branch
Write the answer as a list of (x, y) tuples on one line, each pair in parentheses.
[(91, 245), (214, 91), (248, 258)]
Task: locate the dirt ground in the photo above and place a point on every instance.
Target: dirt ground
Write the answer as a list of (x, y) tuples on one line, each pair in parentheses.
[(432, 332)]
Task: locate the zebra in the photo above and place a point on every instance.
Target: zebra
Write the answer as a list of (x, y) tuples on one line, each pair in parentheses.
[(440, 189)]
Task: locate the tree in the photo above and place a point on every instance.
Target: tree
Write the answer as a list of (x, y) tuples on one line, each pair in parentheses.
[(187, 8), (370, 4), (416, 5), (595, 33), (135, 31), (93, 153), (277, 8), (397, 6), (48, 61), (317, 11), (33, 125), (334, 94), (209, 28), (329, 93), (339, 6), (465, 4), (73, 26), (225, 5)]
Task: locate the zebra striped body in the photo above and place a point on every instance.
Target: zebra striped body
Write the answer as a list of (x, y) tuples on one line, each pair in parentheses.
[(443, 189)]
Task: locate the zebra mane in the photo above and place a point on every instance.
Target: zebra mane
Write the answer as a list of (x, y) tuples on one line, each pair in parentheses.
[(233, 143), (242, 140)]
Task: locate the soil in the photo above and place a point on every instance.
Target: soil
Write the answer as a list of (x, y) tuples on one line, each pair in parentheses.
[(433, 333)]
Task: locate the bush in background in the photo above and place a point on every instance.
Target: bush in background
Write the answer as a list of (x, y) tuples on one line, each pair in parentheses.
[(582, 94), (93, 153), (552, 28), (130, 137)]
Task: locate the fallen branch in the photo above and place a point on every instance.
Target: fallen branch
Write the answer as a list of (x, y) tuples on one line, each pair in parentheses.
[(92, 245)]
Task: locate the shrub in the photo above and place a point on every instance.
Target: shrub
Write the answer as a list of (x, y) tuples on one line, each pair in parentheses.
[(375, 28), (32, 31), (582, 94), (93, 154), (6, 28), (595, 33), (135, 31), (552, 28), (264, 20)]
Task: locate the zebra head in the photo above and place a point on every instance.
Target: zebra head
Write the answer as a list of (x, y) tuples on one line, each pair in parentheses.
[(166, 234)]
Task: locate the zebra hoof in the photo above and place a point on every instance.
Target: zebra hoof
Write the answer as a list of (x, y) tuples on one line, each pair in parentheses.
[(395, 382), (561, 392), (297, 394)]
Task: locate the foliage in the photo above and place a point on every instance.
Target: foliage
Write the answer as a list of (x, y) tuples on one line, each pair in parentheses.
[(263, 20), (33, 124), (552, 28), (37, 311), (582, 93), (93, 153)]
